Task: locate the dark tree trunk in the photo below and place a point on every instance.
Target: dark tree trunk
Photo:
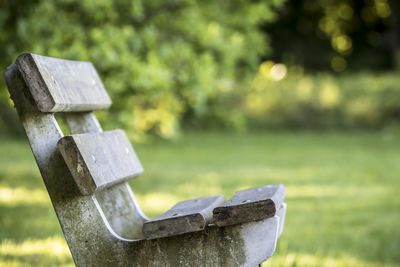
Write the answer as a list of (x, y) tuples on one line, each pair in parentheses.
[(395, 33)]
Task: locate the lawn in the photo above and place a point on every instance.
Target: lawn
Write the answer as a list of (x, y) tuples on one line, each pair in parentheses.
[(343, 193)]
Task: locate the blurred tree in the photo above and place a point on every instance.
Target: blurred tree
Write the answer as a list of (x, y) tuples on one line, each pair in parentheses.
[(337, 34), (159, 60), (395, 32)]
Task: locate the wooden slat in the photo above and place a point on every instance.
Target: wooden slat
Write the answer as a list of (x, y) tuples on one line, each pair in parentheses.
[(250, 205), (63, 85), (82, 122), (99, 160), (186, 216), (118, 202)]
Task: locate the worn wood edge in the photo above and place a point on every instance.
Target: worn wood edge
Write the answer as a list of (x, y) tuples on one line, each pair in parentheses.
[(277, 197), (34, 81), (79, 168), (23, 103), (44, 99), (176, 226), (248, 212), (229, 214), (76, 165), (190, 222)]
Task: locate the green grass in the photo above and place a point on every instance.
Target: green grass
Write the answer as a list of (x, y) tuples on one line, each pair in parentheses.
[(342, 193)]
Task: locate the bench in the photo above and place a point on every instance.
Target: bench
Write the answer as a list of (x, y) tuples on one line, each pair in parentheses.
[(86, 176)]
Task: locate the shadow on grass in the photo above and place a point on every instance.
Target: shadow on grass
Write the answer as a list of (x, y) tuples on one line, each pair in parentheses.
[(28, 221)]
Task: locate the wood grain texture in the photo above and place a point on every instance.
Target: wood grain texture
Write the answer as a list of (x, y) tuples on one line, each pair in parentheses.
[(250, 205), (185, 217), (63, 85), (99, 160)]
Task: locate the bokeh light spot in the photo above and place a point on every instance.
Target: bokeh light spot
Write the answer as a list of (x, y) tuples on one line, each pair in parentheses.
[(382, 8), (278, 72), (342, 43)]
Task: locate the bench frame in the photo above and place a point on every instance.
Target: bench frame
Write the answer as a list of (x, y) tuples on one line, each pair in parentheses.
[(105, 229)]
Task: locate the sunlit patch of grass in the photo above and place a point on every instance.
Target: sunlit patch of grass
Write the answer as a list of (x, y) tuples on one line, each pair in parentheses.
[(20, 195), (335, 191), (52, 251), (154, 204), (318, 259), (55, 246)]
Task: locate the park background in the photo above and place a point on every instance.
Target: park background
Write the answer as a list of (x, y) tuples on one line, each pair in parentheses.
[(218, 96)]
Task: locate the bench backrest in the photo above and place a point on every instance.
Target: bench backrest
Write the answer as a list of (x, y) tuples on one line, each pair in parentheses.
[(99, 160), (96, 159), (105, 227), (63, 85)]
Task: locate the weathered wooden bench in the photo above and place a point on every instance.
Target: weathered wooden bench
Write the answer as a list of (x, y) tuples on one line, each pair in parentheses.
[(86, 173)]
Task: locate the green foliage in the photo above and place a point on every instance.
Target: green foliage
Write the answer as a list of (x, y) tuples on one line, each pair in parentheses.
[(340, 20), (158, 59), (337, 35), (343, 204), (351, 100), (197, 63)]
